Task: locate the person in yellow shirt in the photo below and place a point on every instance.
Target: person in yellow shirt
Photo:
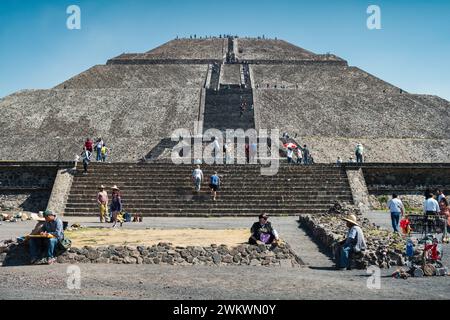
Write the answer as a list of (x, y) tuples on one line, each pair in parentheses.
[(104, 152)]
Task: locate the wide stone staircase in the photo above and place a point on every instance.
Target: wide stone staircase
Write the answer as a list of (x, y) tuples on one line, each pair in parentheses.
[(165, 189), (223, 109)]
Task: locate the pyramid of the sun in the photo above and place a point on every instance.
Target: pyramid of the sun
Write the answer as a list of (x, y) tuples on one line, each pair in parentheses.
[(135, 100)]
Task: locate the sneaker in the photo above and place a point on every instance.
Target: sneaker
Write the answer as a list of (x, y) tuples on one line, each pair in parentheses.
[(51, 261)]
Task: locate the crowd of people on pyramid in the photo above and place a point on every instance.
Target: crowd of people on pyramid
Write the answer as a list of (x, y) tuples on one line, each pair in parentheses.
[(101, 150)]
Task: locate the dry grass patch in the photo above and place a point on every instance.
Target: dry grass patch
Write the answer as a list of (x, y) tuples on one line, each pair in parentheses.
[(97, 237)]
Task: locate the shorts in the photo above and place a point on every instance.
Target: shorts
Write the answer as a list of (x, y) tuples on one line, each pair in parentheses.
[(215, 187)]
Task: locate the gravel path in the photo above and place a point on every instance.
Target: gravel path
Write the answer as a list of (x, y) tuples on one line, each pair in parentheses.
[(317, 280)]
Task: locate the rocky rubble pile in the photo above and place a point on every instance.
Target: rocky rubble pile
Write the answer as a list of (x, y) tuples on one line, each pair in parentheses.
[(384, 248), (164, 253), (343, 208)]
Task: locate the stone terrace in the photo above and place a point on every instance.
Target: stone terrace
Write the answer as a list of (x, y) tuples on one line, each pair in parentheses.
[(182, 49), (333, 122), (265, 49), (230, 74), (318, 77), (139, 76), (131, 121)]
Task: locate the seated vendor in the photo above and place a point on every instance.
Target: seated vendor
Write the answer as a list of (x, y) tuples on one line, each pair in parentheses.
[(263, 232), (353, 243), (52, 232)]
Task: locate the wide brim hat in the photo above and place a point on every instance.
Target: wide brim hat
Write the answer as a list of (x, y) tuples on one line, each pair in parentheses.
[(102, 187), (115, 187), (352, 219)]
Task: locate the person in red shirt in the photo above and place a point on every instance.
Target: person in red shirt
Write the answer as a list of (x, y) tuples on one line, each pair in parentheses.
[(89, 145)]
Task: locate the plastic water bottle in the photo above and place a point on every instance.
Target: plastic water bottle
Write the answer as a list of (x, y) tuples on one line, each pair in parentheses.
[(409, 248)]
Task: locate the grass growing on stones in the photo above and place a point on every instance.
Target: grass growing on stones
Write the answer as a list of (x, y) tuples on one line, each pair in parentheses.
[(178, 237)]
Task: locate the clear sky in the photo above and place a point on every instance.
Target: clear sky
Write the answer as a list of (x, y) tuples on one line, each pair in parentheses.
[(412, 50)]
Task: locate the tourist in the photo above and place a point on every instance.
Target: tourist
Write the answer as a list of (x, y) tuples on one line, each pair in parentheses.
[(104, 152), (102, 200), (216, 148), (397, 210), (247, 153), (353, 243), (299, 155), (440, 194), (98, 149), (88, 144), (351, 160), (115, 206), (214, 185), (305, 154), (262, 232), (445, 211), (339, 161), (197, 178), (289, 154), (253, 150), (52, 232), (430, 205), (359, 150), (86, 158)]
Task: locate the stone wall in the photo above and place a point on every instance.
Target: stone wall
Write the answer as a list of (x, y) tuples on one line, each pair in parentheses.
[(25, 188), (230, 74), (57, 122), (384, 248), (139, 76), (318, 77), (408, 182), (61, 190), (178, 49), (164, 254), (359, 189), (392, 127), (269, 49)]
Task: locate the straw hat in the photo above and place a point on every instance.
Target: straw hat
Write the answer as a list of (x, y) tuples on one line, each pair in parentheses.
[(352, 219), (102, 187), (115, 187)]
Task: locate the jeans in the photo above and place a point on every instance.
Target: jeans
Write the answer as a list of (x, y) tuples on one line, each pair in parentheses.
[(344, 256), (85, 165), (198, 182), (289, 160), (305, 160), (359, 157), (36, 245), (299, 160), (99, 154), (395, 219)]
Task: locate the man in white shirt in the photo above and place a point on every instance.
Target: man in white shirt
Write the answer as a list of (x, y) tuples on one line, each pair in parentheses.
[(397, 210), (289, 154), (197, 177), (430, 205), (441, 195), (359, 150)]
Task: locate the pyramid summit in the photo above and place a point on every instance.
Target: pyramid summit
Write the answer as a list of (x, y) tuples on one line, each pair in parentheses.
[(136, 100)]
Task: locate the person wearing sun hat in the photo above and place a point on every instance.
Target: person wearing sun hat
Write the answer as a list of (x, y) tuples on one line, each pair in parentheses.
[(353, 243), (116, 204), (52, 232), (102, 200)]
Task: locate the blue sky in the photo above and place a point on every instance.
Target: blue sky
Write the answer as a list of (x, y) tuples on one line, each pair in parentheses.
[(412, 50)]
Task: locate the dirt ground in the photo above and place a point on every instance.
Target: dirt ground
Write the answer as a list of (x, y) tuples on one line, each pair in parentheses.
[(316, 280), (97, 237)]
